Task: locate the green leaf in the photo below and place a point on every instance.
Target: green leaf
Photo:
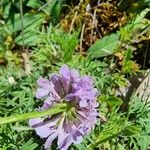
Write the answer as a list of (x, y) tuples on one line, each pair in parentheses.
[(130, 30), (55, 10), (67, 43), (29, 145), (144, 142), (79, 146), (128, 54), (30, 38), (112, 129), (132, 130), (104, 47), (34, 4), (28, 20), (114, 101), (32, 24), (140, 17), (6, 9)]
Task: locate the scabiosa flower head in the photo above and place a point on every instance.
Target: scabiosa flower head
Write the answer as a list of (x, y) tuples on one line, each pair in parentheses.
[(80, 115)]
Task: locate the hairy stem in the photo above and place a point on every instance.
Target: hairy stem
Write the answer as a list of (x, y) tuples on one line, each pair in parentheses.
[(20, 117)]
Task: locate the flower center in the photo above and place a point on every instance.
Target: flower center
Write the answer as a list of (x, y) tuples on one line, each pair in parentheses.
[(70, 112)]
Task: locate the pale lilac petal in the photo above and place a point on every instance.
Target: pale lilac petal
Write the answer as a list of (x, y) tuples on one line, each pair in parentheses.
[(66, 143), (86, 82), (41, 93), (75, 75), (61, 136), (81, 113), (53, 122), (44, 83), (56, 80), (43, 131), (83, 103), (46, 106), (79, 93), (35, 121), (70, 97), (95, 104), (65, 72), (77, 137), (50, 140), (92, 94), (50, 99), (53, 93)]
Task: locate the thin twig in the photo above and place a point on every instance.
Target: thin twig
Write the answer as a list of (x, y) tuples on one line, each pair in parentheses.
[(22, 24), (76, 8), (44, 5), (26, 63), (145, 55), (93, 26), (100, 36), (143, 87), (73, 20), (81, 37), (98, 2), (94, 23)]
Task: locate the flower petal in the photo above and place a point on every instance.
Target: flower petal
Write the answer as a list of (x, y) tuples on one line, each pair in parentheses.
[(35, 121), (77, 137), (50, 140), (44, 83), (58, 87), (65, 143), (65, 72), (86, 82), (41, 93), (43, 131), (83, 103), (75, 75)]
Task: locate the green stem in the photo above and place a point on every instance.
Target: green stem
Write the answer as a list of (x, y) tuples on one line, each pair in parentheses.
[(102, 140), (20, 117)]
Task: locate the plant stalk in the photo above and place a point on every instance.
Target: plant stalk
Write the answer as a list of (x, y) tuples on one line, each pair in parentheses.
[(20, 117)]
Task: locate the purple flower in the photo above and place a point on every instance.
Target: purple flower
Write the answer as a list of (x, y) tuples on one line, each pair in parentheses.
[(80, 115)]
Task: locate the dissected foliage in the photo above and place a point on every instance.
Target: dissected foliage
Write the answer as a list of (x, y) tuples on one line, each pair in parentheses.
[(106, 39)]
